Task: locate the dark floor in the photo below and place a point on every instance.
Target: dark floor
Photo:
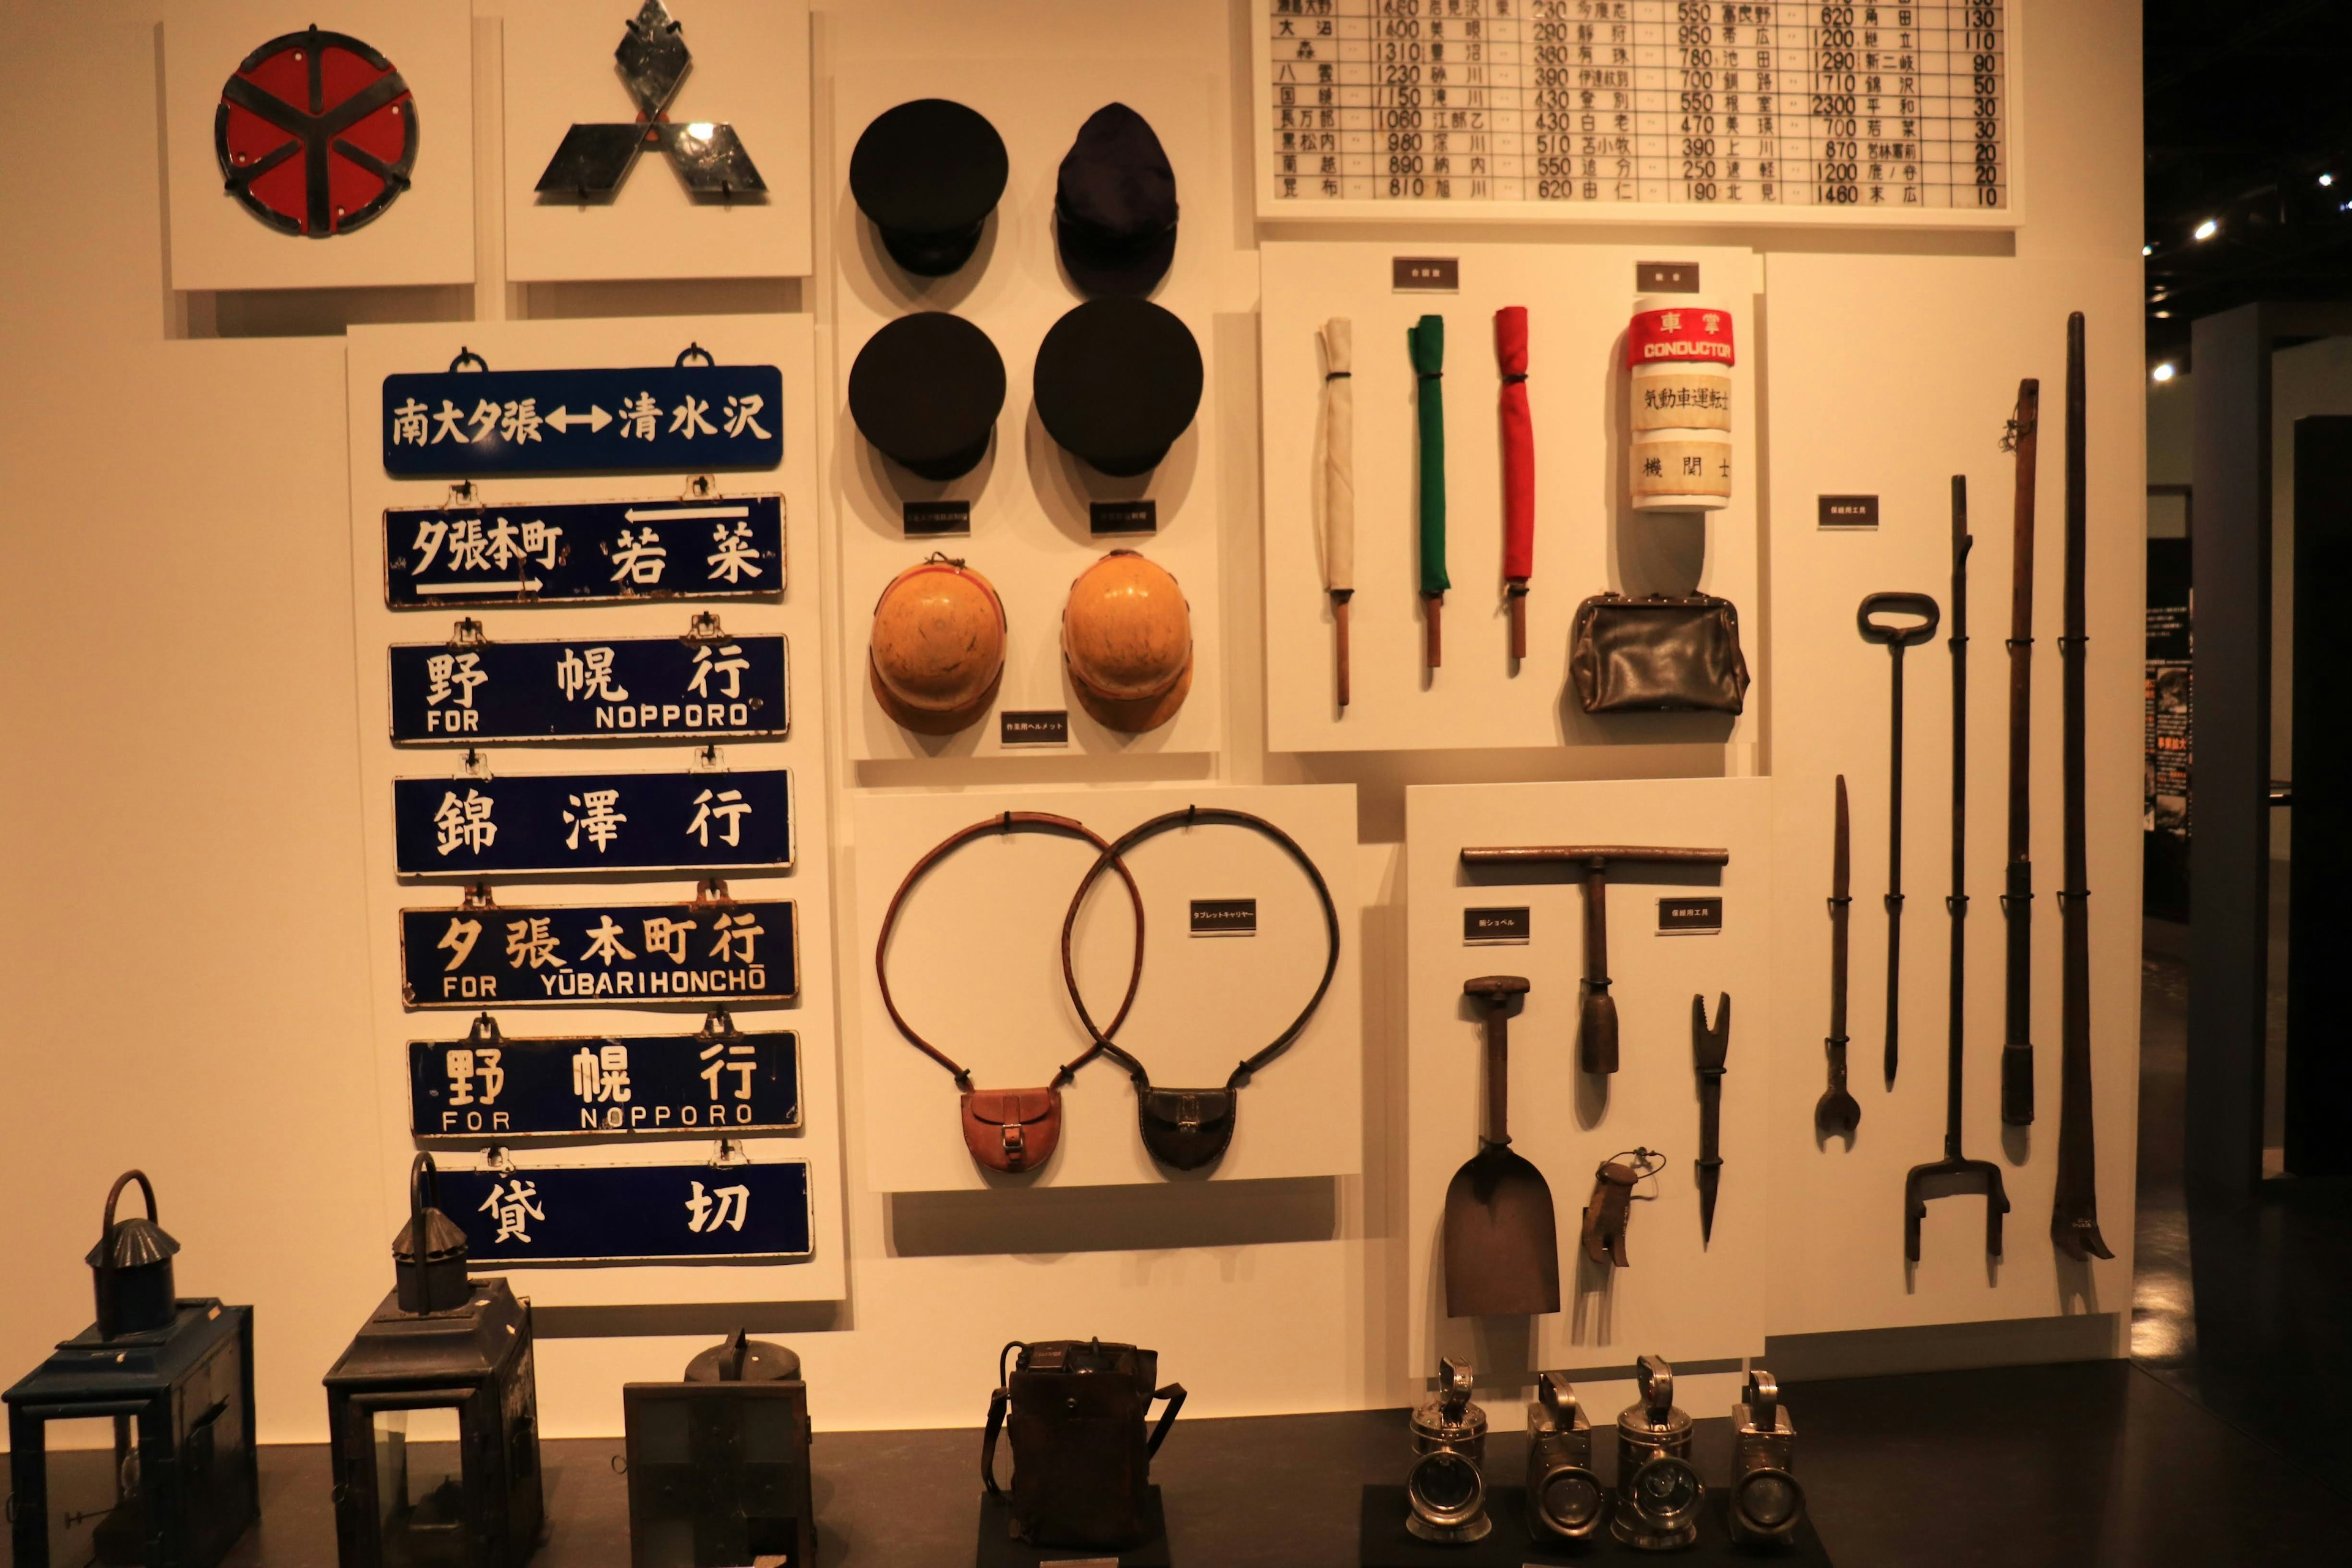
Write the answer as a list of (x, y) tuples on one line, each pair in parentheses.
[(2226, 1440)]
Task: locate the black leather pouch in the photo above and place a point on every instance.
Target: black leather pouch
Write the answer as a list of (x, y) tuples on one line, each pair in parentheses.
[(1186, 1128), (1658, 654)]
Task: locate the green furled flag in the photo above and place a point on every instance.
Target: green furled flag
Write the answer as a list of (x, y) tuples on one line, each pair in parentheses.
[(1427, 342)]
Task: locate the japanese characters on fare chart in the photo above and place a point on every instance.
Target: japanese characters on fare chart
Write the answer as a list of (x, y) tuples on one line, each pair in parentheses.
[(1771, 104), (699, 684)]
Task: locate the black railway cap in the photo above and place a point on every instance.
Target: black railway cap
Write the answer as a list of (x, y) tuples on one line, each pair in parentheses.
[(926, 391), (928, 173), (1118, 379), (1114, 205)]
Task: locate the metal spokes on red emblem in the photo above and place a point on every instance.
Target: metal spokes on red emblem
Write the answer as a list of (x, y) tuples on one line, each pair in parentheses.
[(316, 133)]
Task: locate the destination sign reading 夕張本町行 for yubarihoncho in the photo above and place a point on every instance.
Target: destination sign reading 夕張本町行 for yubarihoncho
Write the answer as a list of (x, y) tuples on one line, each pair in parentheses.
[(473, 827), (698, 546), (703, 686), (482, 954)]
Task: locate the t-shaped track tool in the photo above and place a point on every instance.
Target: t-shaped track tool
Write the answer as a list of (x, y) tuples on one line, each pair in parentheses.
[(1596, 1033)]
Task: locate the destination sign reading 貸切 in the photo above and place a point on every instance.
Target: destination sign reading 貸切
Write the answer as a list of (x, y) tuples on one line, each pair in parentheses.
[(584, 553), (555, 955), (592, 822), (490, 1086), (682, 417), (631, 1213), (698, 687)]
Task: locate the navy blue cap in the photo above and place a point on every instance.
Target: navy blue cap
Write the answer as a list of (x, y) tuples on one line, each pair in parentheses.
[(1114, 205)]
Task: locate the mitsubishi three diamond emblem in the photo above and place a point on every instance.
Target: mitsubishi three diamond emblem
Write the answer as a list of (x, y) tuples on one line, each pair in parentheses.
[(595, 159)]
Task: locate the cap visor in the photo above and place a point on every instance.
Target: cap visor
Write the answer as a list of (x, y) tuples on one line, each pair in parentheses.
[(1122, 270)]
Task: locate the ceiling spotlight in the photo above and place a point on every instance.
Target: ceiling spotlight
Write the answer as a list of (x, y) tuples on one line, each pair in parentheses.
[(2164, 315), (2326, 179), (2163, 371), (2148, 250), (2207, 229)]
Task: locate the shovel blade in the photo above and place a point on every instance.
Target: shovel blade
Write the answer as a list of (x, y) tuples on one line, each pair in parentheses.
[(1502, 1243)]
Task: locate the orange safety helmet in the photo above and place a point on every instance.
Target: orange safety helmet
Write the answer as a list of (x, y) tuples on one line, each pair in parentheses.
[(937, 651), (1127, 641)]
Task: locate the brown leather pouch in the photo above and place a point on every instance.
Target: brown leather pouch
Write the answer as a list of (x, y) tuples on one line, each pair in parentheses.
[(1658, 654), (1186, 1128), (1012, 1129)]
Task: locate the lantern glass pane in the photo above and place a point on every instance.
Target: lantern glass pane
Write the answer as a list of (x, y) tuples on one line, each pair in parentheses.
[(419, 1487), (94, 1480)]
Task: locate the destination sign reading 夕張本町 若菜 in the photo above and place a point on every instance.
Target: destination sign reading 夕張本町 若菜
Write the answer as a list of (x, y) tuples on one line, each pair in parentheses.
[(490, 1085), (700, 686), (557, 955), (631, 1213), (584, 553), (688, 417), (592, 822)]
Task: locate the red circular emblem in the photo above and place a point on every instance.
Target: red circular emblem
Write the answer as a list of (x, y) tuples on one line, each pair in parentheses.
[(316, 133)]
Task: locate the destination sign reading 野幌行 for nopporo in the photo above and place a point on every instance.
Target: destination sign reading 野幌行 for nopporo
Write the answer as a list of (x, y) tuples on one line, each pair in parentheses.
[(592, 822), (555, 955), (706, 685), (491, 1085), (584, 553)]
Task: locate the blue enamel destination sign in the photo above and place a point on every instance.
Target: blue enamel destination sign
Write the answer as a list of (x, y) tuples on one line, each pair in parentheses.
[(557, 955), (611, 689), (592, 822), (689, 417), (584, 553), (632, 1214), (489, 1086)]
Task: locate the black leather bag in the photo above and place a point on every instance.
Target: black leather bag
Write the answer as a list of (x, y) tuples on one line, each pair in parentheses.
[(1658, 654), (1185, 1129), (1075, 1411)]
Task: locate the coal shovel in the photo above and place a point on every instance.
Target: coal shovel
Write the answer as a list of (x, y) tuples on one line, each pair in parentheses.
[(1502, 1244)]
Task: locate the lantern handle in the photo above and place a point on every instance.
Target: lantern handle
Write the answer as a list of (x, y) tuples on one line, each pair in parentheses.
[(422, 1171), (734, 1352), (114, 1193)]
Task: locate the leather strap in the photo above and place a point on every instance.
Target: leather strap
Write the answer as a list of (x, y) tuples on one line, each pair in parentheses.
[(1007, 822), (1174, 1395), (1114, 855), (996, 1403)]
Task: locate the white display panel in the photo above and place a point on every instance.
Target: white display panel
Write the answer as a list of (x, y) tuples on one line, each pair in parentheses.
[(1030, 530), (975, 965), (1588, 537), (1679, 1298), (751, 71), (1837, 1221), (1637, 111), (426, 235), (788, 343)]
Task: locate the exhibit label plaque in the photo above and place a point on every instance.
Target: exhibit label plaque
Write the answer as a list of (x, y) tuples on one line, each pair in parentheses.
[(632, 1214), (592, 822), (700, 687), (564, 954), (584, 553), (490, 1085)]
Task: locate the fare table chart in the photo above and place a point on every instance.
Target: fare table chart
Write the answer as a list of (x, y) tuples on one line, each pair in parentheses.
[(1546, 106)]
